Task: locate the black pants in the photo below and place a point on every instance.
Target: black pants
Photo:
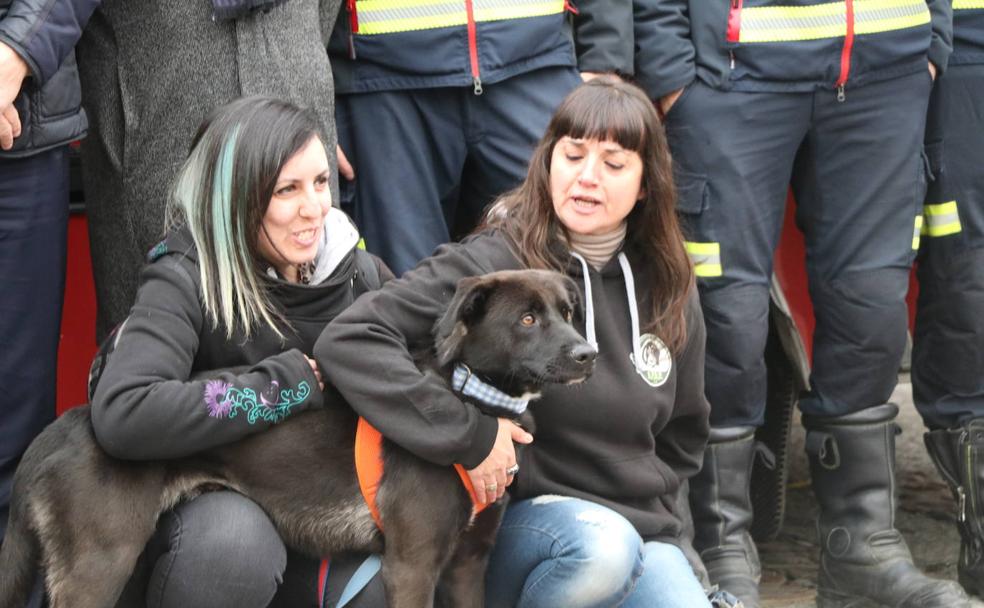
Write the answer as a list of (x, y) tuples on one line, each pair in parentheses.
[(220, 550), (948, 348), (445, 155), (859, 177), (33, 232)]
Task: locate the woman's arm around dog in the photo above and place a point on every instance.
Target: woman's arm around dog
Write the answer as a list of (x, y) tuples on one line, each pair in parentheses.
[(366, 354), (146, 406)]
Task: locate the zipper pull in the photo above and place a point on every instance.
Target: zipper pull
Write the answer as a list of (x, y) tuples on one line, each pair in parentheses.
[(962, 499), (477, 85), (731, 54), (840, 93)]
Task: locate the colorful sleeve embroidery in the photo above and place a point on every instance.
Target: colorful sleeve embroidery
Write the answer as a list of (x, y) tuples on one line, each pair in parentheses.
[(273, 405)]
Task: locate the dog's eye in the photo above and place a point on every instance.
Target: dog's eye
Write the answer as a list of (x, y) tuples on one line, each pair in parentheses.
[(528, 320)]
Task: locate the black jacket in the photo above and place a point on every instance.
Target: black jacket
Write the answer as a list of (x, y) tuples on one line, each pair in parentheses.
[(968, 33), (614, 440), (174, 385), (593, 35), (736, 44), (44, 33)]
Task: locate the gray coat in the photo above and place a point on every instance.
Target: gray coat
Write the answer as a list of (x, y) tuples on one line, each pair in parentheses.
[(151, 71)]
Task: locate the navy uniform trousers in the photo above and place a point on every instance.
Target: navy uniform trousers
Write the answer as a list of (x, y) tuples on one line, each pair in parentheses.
[(948, 344), (428, 160), (33, 234), (859, 177)]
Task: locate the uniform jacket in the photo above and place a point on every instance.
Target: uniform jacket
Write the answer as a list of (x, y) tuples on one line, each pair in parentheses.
[(968, 32), (44, 33), (174, 385), (615, 439), (786, 45), (419, 44)]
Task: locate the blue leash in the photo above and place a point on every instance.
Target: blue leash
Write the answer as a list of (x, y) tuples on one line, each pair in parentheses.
[(360, 579)]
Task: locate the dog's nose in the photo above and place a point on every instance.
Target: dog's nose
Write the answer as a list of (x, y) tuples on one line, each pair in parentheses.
[(584, 354)]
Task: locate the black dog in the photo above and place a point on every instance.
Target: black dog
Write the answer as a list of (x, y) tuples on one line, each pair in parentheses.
[(86, 516)]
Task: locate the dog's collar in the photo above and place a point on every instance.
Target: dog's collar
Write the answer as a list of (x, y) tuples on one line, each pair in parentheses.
[(469, 385)]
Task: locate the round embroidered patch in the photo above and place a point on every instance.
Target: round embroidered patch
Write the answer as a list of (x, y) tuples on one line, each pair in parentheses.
[(656, 360)]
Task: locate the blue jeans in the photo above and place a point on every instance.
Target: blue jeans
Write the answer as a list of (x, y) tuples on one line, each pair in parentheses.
[(559, 551)]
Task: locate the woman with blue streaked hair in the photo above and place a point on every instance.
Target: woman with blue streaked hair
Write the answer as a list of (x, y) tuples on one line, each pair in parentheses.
[(217, 346)]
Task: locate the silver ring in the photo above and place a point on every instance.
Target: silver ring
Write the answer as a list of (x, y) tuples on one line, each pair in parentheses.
[(512, 470), (492, 487)]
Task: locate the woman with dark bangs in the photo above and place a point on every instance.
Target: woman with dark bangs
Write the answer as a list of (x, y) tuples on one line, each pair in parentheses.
[(594, 517)]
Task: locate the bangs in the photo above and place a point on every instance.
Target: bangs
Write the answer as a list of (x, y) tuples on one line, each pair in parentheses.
[(604, 114)]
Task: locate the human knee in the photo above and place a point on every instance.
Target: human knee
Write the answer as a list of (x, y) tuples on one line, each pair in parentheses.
[(222, 551), (605, 554), (864, 308), (737, 319)]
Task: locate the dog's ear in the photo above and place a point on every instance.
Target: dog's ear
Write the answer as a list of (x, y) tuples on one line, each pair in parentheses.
[(467, 305), (574, 298)]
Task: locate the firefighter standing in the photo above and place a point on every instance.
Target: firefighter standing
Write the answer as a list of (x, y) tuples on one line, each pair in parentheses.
[(831, 97), (439, 106), (948, 349)]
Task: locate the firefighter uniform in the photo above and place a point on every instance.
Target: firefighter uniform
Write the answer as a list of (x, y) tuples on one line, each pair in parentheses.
[(948, 345), (828, 96), (439, 106)]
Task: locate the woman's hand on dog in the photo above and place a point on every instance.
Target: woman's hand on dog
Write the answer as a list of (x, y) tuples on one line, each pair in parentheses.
[(489, 478)]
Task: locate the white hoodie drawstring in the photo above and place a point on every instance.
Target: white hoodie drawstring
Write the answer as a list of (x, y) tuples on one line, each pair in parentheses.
[(589, 322)]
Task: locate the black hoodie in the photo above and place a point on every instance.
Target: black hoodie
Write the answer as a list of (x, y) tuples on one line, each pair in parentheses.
[(617, 439), (174, 385)]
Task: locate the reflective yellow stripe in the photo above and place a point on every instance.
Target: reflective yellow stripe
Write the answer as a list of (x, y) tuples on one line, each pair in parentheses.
[(962, 5), (361, 244), (706, 258), (389, 16), (941, 219), (829, 20), (916, 231)]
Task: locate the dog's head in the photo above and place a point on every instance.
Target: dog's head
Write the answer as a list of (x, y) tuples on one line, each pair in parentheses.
[(514, 329)]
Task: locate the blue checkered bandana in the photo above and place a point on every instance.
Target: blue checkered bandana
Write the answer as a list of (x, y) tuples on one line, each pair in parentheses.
[(464, 382)]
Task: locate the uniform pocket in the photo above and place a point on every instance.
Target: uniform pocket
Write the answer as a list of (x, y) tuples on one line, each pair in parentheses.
[(675, 109), (692, 193)]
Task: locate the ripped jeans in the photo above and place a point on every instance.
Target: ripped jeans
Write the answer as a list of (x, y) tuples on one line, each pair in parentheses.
[(558, 551)]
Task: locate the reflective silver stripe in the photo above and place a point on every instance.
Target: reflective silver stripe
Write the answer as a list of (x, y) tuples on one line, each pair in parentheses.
[(828, 20), (389, 16), (942, 219), (409, 12), (706, 258)]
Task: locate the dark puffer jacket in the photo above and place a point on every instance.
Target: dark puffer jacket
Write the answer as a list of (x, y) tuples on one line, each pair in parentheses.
[(44, 33)]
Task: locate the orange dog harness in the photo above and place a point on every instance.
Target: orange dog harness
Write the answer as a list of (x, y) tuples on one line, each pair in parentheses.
[(369, 469)]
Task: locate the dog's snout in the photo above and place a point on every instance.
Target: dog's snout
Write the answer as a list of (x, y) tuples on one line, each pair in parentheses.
[(584, 354)]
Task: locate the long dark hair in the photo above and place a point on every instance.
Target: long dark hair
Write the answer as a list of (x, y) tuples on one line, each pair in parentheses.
[(608, 109), (222, 193)]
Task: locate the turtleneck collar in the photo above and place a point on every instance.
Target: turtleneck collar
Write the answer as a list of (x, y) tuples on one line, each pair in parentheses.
[(598, 249)]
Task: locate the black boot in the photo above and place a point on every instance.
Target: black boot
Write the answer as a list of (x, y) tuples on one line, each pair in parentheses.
[(864, 560), (722, 510), (959, 456)]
